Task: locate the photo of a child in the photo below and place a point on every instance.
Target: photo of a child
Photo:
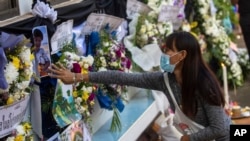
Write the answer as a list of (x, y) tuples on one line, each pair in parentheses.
[(41, 49)]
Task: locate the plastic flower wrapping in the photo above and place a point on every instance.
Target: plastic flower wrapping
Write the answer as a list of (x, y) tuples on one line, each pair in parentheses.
[(23, 132), (17, 68), (111, 55), (83, 92)]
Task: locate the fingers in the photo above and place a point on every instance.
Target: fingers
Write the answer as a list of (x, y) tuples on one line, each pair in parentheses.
[(55, 69), (54, 75), (61, 66)]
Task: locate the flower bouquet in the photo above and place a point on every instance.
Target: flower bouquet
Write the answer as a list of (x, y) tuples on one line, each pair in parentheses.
[(145, 36), (111, 55), (83, 92), (218, 41), (16, 71)]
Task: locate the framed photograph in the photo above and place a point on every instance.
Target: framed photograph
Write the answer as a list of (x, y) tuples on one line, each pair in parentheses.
[(41, 49)]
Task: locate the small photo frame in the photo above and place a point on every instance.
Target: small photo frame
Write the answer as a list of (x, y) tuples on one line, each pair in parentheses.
[(41, 49)]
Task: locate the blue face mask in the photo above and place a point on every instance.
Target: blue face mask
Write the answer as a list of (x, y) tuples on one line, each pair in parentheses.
[(165, 63)]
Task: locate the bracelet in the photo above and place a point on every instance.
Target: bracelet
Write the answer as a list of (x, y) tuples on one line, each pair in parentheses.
[(81, 78), (74, 78)]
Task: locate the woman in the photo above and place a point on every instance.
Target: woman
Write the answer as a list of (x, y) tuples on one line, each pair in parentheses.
[(194, 85)]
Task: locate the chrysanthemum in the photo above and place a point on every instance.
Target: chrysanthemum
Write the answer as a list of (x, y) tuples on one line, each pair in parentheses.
[(11, 73)]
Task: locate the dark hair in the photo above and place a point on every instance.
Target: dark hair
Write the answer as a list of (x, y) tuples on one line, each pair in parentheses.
[(197, 78), (38, 33)]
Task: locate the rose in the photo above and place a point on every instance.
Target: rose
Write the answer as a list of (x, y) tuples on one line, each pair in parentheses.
[(76, 68)]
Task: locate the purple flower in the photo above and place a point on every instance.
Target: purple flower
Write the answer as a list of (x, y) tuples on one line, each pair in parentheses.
[(91, 97), (118, 53)]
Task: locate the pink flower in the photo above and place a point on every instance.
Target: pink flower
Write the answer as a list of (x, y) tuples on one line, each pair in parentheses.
[(76, 68), (118, 53), (91, 97)]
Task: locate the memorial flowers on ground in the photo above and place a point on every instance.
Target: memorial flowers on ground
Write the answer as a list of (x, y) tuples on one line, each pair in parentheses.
[(218, 41)]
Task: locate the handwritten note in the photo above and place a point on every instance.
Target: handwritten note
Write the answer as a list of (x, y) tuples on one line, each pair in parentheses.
[(170, 14), (96, 21), (134, 6), (62, 35)]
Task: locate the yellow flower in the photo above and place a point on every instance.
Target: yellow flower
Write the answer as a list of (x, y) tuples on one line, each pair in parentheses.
[(10, 100), (193, 24), (74, 94), (84, 71), (26, 127), (92, 102), (16, 62), (19, 138), (32, 57), (85, 96)]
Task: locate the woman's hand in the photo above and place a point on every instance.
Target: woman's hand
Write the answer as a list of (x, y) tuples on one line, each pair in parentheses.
[(60, 72)]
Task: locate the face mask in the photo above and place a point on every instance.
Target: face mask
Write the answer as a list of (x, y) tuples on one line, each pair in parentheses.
[(165, 63)]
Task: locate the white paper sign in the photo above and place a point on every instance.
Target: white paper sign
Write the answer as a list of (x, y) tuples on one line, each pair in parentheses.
[(96, 21), (134, 6), (11, 116), (62, 35), (170, 13)]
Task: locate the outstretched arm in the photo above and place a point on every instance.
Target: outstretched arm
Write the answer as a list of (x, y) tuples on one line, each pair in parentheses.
[(150, 80)]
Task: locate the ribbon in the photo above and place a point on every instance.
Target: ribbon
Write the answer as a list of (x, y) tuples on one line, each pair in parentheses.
[(106, 102), (44, 11), (7, 41), (92, 42)]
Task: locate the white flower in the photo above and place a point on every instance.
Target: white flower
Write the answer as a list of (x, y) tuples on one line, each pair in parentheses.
[(112, 53), (144, 38), (150, 34), (25, 54), (114, 64), (90, 59), (105, 44), (149, 26), (69, 65), (86, 66), (76, 57), (10, 138), (68, 55), (143, 30), (186, 27), (89, 89), (11, 73), (78, 100), (20, 130), (236, 69), (17, 96), (22, 85), (82, 109)]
